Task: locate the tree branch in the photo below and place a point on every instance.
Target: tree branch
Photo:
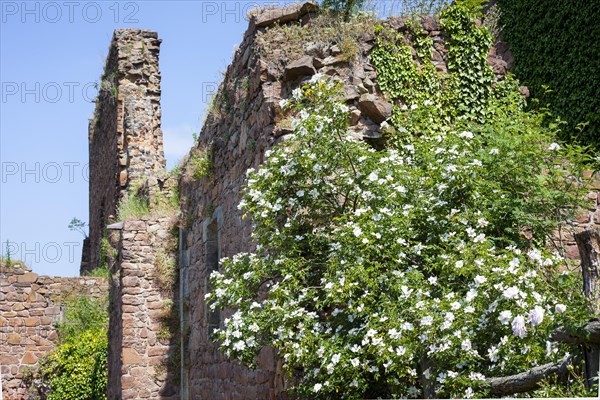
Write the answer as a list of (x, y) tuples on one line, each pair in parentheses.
[(590, 334), (529, 380)]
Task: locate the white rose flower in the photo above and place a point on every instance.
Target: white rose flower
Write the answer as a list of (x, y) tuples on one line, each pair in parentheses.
[(554, 147), (511, 292), (493, 354), (471, 294), (518, 326), (536, 316), (560, 308), (335, 359), (505, 317), (466, 345)]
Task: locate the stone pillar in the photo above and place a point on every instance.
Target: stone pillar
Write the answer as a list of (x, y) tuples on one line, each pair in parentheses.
[(125, 136), (143, 341)]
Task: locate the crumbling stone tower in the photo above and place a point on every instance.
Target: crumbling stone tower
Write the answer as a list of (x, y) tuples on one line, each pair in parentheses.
[(125, 137)]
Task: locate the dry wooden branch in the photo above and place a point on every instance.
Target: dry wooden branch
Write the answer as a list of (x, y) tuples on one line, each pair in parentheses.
[(588, 243), (590, 335), (530, 380)]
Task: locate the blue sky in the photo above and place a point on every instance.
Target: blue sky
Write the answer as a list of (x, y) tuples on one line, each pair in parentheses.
[(51, 53)]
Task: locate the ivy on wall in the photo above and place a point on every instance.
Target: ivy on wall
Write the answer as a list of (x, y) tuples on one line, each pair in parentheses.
[(413, 81), (468, 46), (554, 43)]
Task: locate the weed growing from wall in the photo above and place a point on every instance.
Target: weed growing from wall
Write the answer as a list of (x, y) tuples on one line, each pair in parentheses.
[(7, 259), (200, 162), (324, 31), (166, 269), (132, 206)]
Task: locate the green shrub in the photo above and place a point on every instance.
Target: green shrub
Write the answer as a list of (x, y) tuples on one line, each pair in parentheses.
[(434, 252), (344, 7), (200, 162), (82, 314), (77, 369)]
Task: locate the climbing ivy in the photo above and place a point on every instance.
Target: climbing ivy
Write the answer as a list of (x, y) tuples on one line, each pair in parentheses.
[(413, 81), (468, 46), (555, 47), (397, 73)]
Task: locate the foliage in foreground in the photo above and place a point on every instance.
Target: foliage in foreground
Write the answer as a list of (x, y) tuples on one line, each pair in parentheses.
[(77, 369), (427, 261)]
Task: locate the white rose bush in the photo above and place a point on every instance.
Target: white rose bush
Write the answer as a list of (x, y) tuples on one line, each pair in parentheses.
[(424, 261)]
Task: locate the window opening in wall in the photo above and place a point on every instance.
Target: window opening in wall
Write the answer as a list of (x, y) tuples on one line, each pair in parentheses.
[(212, 264)]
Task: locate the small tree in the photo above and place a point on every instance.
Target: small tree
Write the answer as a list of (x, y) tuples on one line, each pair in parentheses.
[(7, 257), (76, 225)]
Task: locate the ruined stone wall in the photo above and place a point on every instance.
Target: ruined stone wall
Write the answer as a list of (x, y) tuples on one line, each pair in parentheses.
[(125, 137), (143, 357), (145, 360), (588, 217), (30, 306), (247, 122)]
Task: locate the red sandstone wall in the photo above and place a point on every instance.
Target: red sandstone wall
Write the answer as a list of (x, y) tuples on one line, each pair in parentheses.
[(125, 136), (30, 305), (143, 340), (588, 217)]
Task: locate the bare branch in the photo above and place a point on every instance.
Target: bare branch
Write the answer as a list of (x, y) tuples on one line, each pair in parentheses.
[(530, 380), (590, 335)]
